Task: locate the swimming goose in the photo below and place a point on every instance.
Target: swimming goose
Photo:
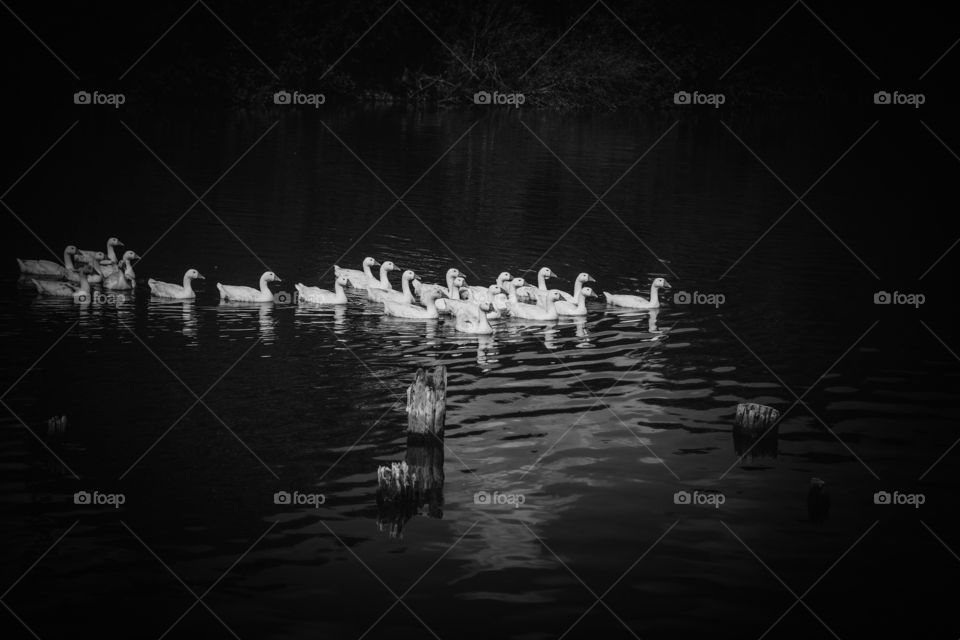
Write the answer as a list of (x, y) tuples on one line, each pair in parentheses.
[(405, 296), (49, 268), (80, 293), (578, 308), (125, 279), (578, 283), (547, 311), (453, 306), (528, 293), (450, 291), (316, 295), (636, 302), (241, 293), (400, 310), (168, 290), (89, 256), (84, 262), (384, 282), (470, 318), (358, 279)]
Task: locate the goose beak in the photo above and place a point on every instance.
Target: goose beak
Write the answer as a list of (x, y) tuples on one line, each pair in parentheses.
[(590, 279), (376, 264), (200, 277), (666, 285), (277, 279)]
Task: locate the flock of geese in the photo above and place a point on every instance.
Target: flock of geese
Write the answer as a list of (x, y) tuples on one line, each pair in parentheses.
[(472, 307)]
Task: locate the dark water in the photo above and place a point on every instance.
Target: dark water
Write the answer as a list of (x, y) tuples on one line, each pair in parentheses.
[(597, 423)]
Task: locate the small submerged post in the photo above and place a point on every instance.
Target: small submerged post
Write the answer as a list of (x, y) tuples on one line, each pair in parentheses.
[(755, 430), (404, 487)]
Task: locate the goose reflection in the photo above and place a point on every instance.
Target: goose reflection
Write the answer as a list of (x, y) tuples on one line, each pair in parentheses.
[(310, 314), (234, 312)]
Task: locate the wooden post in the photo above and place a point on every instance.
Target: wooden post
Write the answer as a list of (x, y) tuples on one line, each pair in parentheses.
[(752, 430), (404, 487), (427, 403)]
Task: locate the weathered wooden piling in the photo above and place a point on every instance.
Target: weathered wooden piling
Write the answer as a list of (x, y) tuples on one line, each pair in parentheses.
[(755, 430), (405, 487)]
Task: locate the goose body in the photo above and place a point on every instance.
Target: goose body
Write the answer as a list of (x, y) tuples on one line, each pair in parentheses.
[(241, 293), (359, 279), (478, 294), (637, 302), (578, 283), (49, 268), (176, 291), (316, 295), (125, 279), (404, 296), (80, 293), (547, 311), (470, 318), (106, 264), (413, 312), (578, 308)]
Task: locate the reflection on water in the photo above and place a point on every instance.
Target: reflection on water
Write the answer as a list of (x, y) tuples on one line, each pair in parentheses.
[(597, 421)]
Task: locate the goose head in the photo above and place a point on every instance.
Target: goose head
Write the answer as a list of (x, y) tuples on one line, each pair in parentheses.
[(388, 266), (129, 255), (72, 250), (545, 273), (370, 262), (114, 242), (344, 280), (459, 281), (504, 276), (270, 276), (100, 255), (409, 275), (660, 283), (584, 278), (453, 273), (193, 274), (587, 292), (494, 289), (518, 282)]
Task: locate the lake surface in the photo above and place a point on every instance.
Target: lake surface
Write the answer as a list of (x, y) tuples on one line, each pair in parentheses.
[(597, 423)]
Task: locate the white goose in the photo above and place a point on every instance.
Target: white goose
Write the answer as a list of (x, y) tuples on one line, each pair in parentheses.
[(405, 295), (470, 318), (176, 291), (241, 293), (384, 281), (578, 308), (578, 283), (528, 293), (449, 291), (126, 279), (453, 306), (49, 268), (636, 302), (358, 279), (316, 295), (110, 264), (90, 256), (413, 312), (547, 311), (80, 293)]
